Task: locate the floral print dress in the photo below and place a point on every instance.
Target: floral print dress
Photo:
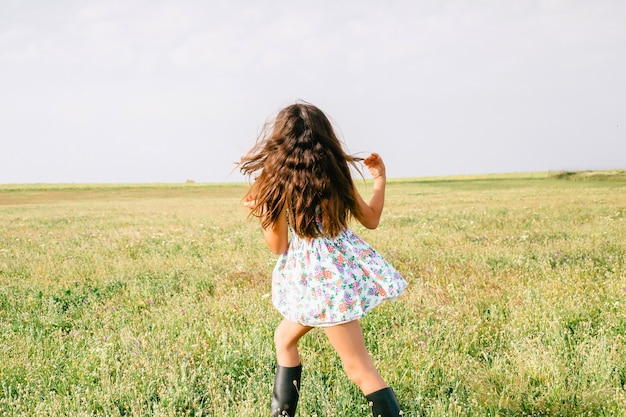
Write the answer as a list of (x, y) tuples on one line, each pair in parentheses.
[(328, 281)]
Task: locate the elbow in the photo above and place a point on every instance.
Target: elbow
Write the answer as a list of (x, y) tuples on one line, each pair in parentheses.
[(371, 225), (370, 221), (277, 240), (277, 246), (279, 250)]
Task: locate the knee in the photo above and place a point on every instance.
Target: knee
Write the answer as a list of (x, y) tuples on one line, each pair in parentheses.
[(278, 337), (282, 339), (359, 373)]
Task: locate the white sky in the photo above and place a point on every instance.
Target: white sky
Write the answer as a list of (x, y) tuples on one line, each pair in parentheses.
[(170, 90)]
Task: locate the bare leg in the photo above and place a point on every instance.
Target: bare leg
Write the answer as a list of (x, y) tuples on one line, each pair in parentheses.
[(348, 341), (286, 339), (286, 390)]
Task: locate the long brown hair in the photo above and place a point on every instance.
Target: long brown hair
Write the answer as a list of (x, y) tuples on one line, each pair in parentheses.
[(300, 165)]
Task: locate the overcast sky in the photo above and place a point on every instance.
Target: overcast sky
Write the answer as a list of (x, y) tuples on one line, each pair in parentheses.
[(121, 91)]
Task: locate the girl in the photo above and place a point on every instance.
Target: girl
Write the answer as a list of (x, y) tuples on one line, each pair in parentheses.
[(326, 276)]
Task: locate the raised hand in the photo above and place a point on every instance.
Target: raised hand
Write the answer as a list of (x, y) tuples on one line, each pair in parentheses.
[(249, 202), (375, 165)]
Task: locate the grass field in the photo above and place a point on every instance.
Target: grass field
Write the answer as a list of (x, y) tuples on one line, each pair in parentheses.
[(152, 300)]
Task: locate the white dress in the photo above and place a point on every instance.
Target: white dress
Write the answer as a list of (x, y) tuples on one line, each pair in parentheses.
[(327, 281)]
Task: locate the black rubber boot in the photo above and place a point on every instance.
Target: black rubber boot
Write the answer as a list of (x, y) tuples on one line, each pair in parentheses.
[(384, 403), (286, 391)]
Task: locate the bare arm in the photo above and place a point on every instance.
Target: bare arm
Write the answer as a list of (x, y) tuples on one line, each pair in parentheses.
[(371, 212), (276, 236)]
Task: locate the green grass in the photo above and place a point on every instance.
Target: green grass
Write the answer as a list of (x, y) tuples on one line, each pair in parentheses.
[(151, 300)]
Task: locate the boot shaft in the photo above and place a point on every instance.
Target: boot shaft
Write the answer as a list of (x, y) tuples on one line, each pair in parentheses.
[(384, 403), (286, 391)]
